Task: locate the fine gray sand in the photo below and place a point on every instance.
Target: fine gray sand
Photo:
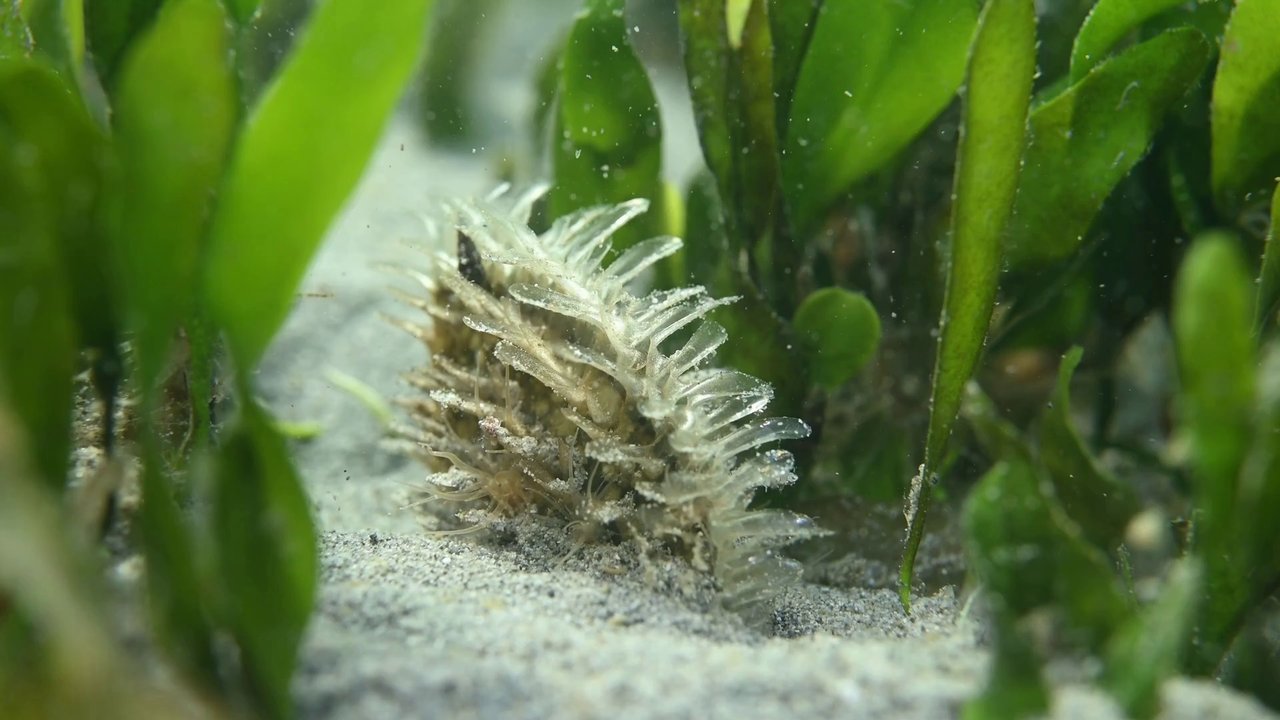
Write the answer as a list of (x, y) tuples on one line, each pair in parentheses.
[(519, 621)]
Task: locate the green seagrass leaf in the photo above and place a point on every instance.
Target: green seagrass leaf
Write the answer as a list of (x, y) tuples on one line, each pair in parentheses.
[(1087, 138), (606, 142), (265, 554), (175, 112), (298, 156), (1001, 66), (791, 27), (1029, 554), (1095, 500), (1212, 324), (1149, 647), (37, 330), (730, 60), (875, 73), (1015, 686), (1246, 92)]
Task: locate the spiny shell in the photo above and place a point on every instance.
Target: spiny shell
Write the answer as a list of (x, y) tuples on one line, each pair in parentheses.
[(554, 386)]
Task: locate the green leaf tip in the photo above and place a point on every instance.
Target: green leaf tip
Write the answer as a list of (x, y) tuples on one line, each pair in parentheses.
[(1108, 22), (174, 118), (1246, 92)]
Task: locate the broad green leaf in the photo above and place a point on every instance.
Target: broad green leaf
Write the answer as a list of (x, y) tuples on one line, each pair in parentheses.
[(1085, 140), (1030, 555), (875, 74), (1108, 22), (57, 27), (1095, 500), (1148, 648), (301, 151), (1246, 92), (37, 330), (15, 38), (1260, 478), (65, 150), (1268, 302), (265, 554), (706, 55), (790, 27), (175, 112), (110, 26), (1001, 66), (732, 86), (1212, 316), (1212, 322), (606, 145), (839, 331)]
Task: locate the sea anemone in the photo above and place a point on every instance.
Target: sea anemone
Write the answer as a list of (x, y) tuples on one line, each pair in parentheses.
[(558, 386)]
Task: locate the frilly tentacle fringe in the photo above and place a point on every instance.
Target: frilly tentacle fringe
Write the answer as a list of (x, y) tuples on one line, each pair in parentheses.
[(554, 386)]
